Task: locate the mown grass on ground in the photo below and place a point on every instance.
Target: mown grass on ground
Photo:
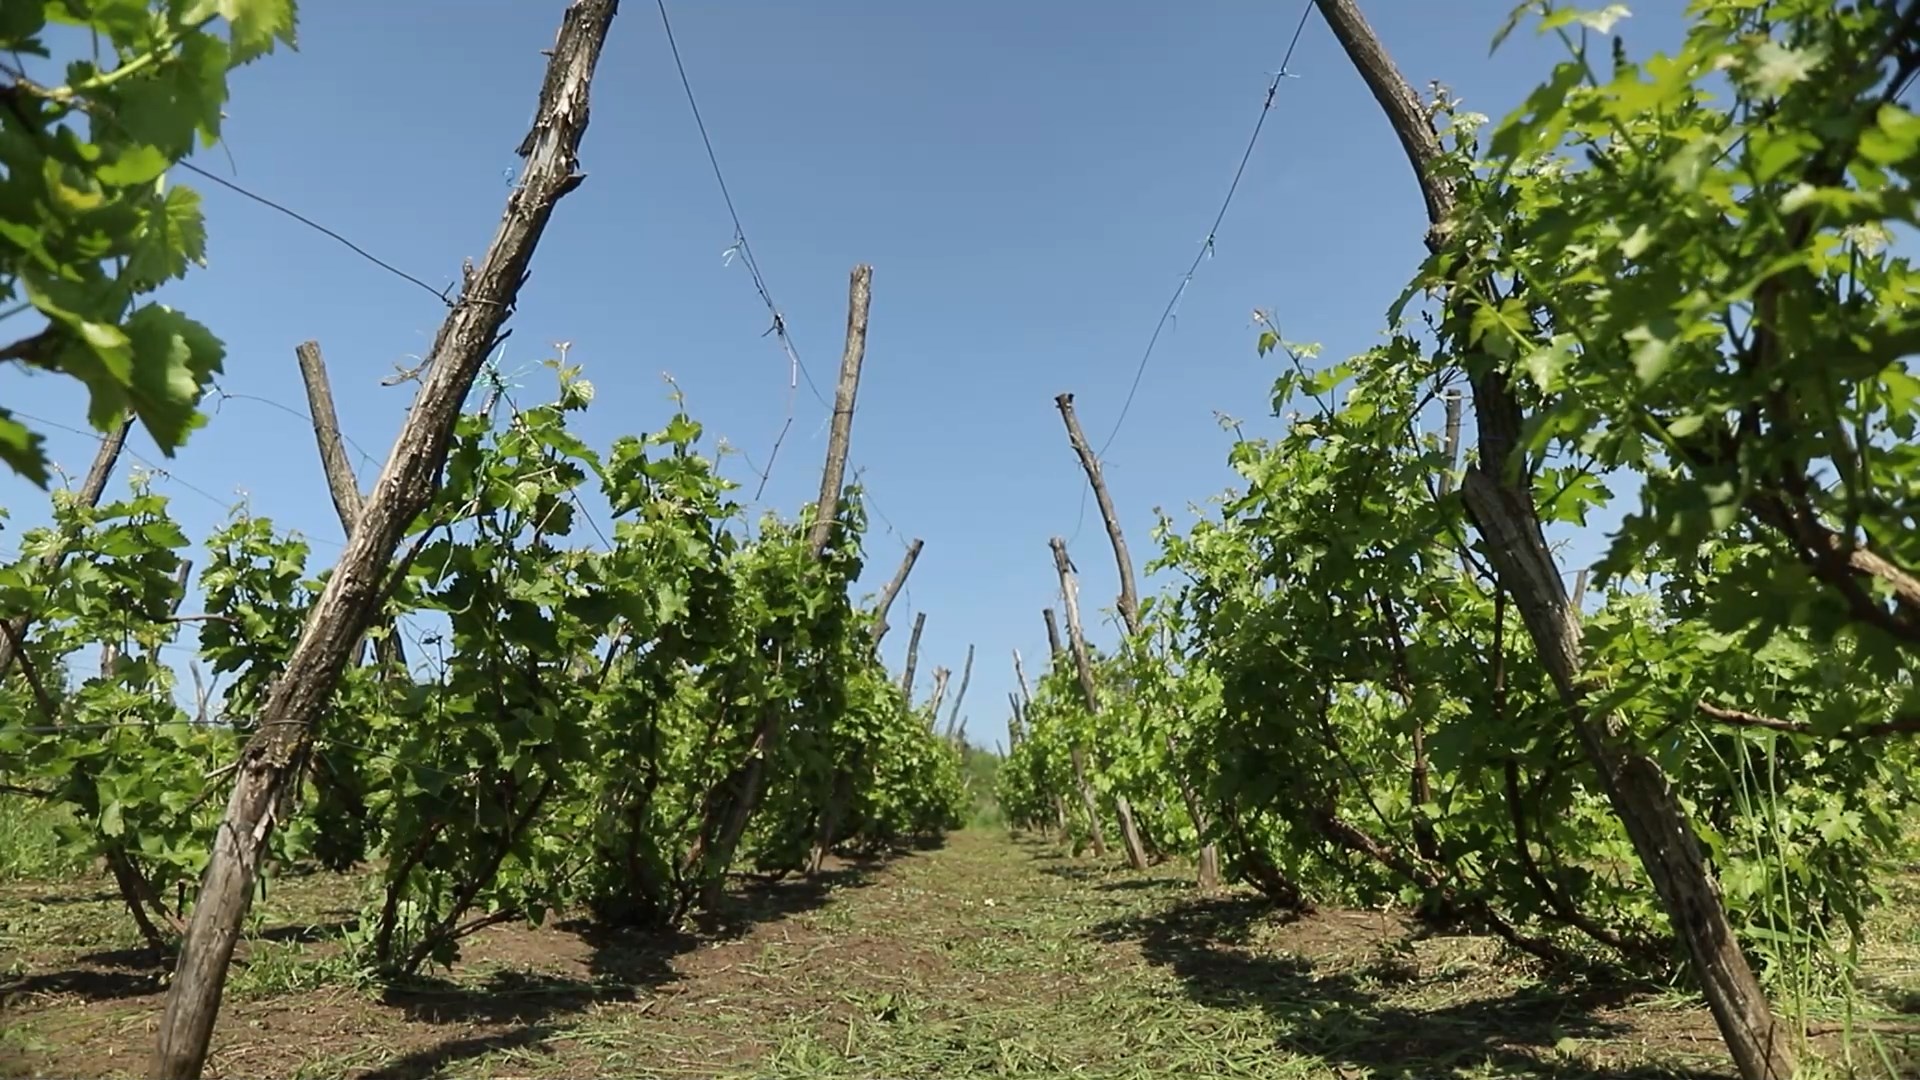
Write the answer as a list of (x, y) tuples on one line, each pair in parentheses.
[(988, 957)]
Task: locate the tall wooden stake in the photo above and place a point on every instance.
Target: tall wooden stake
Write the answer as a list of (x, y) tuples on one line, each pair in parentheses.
[(1083, 665), (1451, 442), (1129, 601), (913, 657), (752, 779), (342, 484), (1096, 834), (888, 594), (940, 676), (1503, 512), (1054, 648), (960, 696), (840, 434), (270, 766), (1207, 859)]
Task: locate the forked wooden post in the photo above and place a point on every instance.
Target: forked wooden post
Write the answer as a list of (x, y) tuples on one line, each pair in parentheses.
[(892, 591)]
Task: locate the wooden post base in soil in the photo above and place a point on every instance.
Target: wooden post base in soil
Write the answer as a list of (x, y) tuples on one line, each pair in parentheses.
[(1207, 862), (1083, 666), (1130, 833), (825, 516), (1504, 515), (269, 769), (1096, 835)]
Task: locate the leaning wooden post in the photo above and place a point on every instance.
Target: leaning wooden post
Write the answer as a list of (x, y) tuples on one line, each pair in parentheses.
[(888, 594), (752, 778), (1450, 442), (104, 459), (960, 696), (1096, 834), (1083, 665), (940, 676), (271, 764), (342, 484), (840, 434), (1054, 648), (1129, 601), (1207, 859), (1504, 513), (913, 658)]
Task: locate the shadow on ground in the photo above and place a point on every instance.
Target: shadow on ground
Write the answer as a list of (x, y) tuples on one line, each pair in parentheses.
[(624, 964), (503, 988), (1342, 1015), (433, 1060)]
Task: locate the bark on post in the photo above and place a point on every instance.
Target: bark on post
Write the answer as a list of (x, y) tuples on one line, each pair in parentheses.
[(1452, 440), (940, 676), (1020, 672), (887, 595), (1579, 590), (1504, 514), (825, 514), (1083, 666), (1054, 647), (840, 435), (1129, 597), (342, 484), (1096, 833), (1207, 859), (960, 696), (913, 658), (270, 766), (104, 459)]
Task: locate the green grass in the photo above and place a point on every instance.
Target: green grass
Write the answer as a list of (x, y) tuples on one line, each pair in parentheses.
[(29, 846), (988, 957), (981, 770)]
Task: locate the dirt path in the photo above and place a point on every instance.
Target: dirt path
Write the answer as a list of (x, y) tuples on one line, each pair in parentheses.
[(988, 957)]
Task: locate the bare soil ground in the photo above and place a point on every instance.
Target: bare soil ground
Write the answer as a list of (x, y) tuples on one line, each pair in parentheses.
[(988, 957)]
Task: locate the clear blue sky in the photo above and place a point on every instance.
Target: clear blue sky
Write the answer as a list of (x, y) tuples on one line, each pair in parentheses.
[(1029, 182)]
